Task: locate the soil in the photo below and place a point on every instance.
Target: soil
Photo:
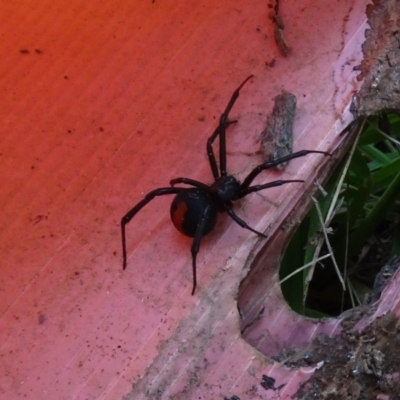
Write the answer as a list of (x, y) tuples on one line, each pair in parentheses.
[(356, 366)]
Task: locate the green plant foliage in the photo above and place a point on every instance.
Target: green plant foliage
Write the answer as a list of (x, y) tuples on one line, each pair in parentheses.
[(364, 232)]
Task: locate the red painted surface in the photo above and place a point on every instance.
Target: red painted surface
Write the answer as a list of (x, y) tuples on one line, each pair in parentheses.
[(102, 103)]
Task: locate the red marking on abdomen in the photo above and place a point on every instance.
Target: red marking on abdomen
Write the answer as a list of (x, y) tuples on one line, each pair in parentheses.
[(178, 216)]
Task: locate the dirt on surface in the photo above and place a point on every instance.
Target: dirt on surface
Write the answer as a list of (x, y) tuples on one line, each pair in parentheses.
[(353, 365), (380, 68)]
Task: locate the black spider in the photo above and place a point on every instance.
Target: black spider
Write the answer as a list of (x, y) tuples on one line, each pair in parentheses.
[(194, 210)]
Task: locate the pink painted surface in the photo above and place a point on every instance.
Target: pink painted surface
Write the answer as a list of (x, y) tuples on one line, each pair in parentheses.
[(103, 103)]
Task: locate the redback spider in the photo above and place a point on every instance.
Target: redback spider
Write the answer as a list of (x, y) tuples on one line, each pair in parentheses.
[(194, 210)]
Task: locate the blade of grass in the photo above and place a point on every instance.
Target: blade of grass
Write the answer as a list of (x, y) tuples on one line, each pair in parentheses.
[(367, 225), (323, 227)]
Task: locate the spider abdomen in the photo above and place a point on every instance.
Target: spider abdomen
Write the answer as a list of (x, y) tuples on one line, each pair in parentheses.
[(187, 209)]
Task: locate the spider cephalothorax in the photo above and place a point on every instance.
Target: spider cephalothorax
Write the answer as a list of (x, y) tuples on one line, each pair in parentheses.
[(194, 210)]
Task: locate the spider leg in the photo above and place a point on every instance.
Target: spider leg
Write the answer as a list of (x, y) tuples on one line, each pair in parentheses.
[(188, 181), (257, 188), (131, 213), (220, 131), (239, 221), (235, 95), (269, 164), (210, 151), (223, 123), (196, 243)]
